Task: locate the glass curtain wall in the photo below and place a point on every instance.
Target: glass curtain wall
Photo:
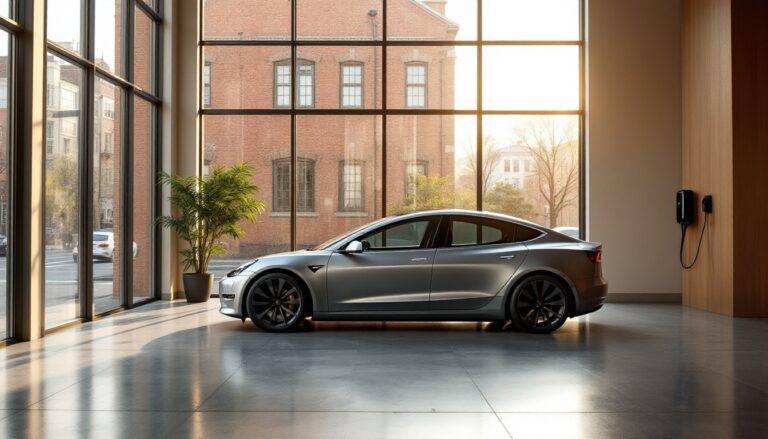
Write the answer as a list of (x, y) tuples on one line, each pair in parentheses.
[(8, 28), (397, 106), (102, 99)]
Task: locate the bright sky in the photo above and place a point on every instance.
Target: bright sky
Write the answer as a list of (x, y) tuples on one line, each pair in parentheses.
[(4, 11), (515, 77), (64, 25)]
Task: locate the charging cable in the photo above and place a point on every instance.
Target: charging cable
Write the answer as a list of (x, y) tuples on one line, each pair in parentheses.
[(698, 246)]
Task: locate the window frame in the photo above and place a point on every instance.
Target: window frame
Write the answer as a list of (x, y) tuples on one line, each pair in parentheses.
[(304, 165), (342, 185), (275, 86), (299, 75), (8, 203), (309, 192), (343, 85), (277, 184), (125, 81), (384, 109), (207, 79), (4, 92), (424, 87)]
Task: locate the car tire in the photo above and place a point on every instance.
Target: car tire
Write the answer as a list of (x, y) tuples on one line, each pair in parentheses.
[(539, 304), (277, 302)]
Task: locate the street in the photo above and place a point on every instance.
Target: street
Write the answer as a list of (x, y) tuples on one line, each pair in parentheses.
[(61, 275), (61, 289)]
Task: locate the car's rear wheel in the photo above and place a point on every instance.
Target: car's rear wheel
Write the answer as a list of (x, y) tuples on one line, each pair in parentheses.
[(276, 302), (539, 304)]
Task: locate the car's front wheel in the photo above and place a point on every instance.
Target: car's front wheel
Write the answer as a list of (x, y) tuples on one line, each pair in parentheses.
[(276, 302), (539, 304)]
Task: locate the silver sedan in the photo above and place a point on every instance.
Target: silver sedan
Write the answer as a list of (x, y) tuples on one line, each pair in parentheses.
[(435, 265)]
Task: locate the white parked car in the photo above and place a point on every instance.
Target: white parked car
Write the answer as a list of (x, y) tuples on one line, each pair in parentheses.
[(572, 232), (104, 246)]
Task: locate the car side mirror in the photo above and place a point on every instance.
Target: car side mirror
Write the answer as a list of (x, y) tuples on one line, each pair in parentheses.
[(354, 247)]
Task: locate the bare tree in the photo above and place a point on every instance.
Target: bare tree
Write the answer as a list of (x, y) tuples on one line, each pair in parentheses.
[(491, 157), (553, 144)]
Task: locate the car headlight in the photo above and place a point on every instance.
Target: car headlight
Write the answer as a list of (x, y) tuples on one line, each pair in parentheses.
[(241, 268)]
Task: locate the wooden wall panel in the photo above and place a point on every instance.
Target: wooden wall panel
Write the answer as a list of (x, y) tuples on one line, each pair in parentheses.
[(707, 148), (750, 156)]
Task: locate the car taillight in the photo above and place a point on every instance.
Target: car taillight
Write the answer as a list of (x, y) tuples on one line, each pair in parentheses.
[(104, 245), (596, 256)]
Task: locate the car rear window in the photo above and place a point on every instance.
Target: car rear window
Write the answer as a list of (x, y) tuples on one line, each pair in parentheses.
[(525, 233), (97, 237)]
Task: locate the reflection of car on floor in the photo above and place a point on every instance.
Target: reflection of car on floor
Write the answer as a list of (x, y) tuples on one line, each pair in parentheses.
[(573, 232), (104, 246), (437, 265), (3, 245)]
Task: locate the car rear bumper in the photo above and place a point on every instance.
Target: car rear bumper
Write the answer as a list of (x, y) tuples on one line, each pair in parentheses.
[(592, 294)]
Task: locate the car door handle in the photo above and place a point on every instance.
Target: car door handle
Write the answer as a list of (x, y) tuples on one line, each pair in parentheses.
[(419, 260), (507, 257)]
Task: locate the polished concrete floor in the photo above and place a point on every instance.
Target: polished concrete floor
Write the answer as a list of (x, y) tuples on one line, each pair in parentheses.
[(178, 370)]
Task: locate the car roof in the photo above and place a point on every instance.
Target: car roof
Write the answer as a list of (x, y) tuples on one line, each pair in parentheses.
[(466, 212), (442, 212)]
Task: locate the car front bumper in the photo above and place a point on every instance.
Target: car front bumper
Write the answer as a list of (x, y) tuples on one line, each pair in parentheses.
[(230, 295)]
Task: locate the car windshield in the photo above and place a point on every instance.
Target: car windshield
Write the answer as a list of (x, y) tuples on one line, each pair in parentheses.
[(335, 239), (98, 237)]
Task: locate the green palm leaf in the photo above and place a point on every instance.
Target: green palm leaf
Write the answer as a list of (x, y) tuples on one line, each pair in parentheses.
[(209, 209)]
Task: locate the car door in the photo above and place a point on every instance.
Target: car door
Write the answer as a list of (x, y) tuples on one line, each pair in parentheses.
[(391, 274), (475, 259)]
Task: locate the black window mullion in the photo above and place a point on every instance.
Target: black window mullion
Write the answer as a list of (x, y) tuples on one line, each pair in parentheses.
[(294, 95), (12, 177), (156, 152), (479, 146), (384, 62), (582, 123), (127, 157), (86, 165)]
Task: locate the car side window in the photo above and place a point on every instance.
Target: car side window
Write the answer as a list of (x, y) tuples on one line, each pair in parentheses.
[(464, 231), (402, 235), (470, 233)]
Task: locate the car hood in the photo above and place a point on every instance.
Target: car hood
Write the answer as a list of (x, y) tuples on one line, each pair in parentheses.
[(289, 258), (294, 254)]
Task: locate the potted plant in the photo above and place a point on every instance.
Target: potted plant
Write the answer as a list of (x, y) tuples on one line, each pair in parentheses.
[(205, 210)]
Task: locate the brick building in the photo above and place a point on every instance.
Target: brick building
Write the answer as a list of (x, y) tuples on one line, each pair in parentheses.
[(339, 157)]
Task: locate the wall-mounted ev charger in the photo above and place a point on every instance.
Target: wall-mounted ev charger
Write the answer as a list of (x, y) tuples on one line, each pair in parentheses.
[(686, 215)]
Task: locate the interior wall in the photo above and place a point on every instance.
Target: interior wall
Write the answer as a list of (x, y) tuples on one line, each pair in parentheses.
[(180, 146), (634, 144)]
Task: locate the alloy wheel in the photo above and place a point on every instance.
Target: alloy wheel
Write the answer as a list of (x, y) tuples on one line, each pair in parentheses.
[(275, 303), (540, 304)]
